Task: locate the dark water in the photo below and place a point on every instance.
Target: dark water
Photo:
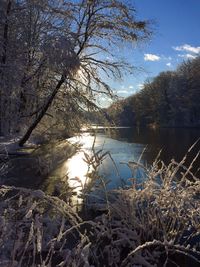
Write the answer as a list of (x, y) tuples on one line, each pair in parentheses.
[(174, 143), (128, 144), (171, 143), (123, 144)]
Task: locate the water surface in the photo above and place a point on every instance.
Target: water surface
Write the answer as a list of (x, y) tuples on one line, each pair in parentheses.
[(128, 145)]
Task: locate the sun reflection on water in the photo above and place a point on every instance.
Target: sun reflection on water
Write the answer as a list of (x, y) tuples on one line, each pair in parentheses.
[(76, 168)]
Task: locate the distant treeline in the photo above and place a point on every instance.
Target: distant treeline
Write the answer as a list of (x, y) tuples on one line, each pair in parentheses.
[(171, 99)]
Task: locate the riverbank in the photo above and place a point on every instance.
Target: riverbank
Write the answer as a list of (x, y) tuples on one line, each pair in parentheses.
[(29, 166)]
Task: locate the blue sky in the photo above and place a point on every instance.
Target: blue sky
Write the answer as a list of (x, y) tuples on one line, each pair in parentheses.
[(176, 37)]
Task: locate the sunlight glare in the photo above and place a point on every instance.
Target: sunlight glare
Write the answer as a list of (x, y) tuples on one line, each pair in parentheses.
[(77, 168), (77, 171)]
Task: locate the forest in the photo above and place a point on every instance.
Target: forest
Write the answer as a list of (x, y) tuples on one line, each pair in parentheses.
[(170, 99)]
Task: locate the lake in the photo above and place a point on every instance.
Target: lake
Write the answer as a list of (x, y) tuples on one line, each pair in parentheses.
[(125, 145)]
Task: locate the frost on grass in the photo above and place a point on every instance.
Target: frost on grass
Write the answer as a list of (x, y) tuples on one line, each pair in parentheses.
[(38, 230), (155, 225)]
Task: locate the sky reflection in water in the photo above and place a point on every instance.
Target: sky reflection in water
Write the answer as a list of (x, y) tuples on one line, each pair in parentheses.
[(112, 168), (127, 145)]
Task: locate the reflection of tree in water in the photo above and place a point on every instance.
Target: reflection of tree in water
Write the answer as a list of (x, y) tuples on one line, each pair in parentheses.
[(174, 143)]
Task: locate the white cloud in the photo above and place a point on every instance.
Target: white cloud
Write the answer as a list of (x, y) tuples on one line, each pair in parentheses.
[(140, 85), (187, 56), (188, 48), (130, 87), (151, 57), (123, 92), (169, 64)]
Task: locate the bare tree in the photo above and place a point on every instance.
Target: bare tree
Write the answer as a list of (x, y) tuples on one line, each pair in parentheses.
[(70, 47)]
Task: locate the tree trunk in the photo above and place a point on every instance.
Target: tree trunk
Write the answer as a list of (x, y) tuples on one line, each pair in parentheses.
[(3, 62), (5, 33), (42, 112)]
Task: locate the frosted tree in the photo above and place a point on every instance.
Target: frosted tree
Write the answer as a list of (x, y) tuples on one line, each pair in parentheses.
[(65, 50), (25, 28)]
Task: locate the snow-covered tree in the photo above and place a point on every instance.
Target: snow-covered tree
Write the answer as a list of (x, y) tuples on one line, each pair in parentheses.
[(60, 49)]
